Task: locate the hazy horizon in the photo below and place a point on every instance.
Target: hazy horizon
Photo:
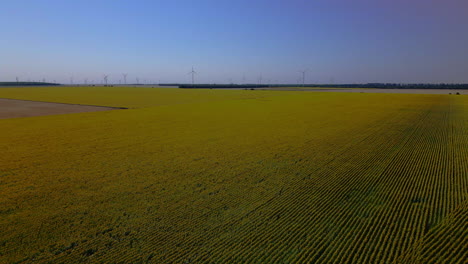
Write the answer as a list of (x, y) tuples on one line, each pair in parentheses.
[(338, 41)]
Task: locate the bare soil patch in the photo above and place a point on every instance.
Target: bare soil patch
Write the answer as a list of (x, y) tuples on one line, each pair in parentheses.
[(11, 108)]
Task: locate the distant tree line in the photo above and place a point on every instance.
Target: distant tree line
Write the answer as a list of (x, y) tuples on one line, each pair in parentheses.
[(398, 85), (27, 84), (365, 85), (214, 86), (453, 86)]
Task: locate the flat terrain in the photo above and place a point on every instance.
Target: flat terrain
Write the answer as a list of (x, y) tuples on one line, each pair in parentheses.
[(10, 108), (129, 97), (214, 176), (371, 90)]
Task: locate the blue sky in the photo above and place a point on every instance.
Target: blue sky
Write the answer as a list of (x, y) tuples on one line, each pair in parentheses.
[(345, 41)]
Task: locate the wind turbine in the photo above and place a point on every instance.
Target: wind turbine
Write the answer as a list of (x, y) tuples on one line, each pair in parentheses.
[(303, 77), (125, 77), (193, 72), (105, 78)]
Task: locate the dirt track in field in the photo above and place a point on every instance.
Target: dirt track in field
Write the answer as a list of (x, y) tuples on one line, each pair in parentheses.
[(10, 108)]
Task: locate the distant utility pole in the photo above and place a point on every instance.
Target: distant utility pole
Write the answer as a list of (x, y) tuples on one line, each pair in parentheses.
[(43, 80), (125, 77), (71, 80), (17, 79), (243, 78), (138, 80), (193, 76), (86, 81), (105, 78)]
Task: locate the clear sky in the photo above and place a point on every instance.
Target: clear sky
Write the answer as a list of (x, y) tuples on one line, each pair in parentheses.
[(345, 41)]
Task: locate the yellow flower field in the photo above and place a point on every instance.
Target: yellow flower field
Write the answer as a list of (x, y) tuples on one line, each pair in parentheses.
[(129, 97), (210, 176)]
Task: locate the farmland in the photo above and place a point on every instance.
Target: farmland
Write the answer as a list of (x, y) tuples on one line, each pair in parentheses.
[(209, 176)]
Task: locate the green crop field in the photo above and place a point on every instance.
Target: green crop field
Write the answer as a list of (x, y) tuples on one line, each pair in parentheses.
[(213, 176)]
